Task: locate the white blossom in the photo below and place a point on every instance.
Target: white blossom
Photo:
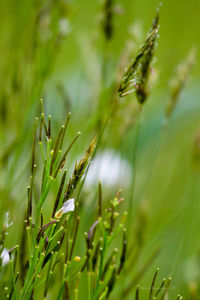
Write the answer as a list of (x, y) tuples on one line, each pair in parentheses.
[(67, 206), (110, 169), (5, 257)]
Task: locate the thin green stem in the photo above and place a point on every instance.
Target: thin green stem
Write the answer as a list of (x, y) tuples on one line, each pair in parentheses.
[(134, 161)]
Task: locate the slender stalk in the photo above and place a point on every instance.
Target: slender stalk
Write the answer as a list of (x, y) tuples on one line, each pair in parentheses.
[(134, 161)]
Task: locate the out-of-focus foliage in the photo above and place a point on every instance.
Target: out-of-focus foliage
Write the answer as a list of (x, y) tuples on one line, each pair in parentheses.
[(74, 54)]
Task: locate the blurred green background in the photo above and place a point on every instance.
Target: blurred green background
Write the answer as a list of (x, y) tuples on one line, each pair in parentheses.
[(61, 61)]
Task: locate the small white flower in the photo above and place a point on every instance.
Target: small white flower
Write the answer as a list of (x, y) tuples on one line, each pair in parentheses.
[(5, 257), (67, 206), (110, 168)]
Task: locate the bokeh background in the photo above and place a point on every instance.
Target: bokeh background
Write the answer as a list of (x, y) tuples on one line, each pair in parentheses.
[(63, 62)]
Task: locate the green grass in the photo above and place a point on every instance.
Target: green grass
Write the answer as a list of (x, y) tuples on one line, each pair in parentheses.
[(63, 236)]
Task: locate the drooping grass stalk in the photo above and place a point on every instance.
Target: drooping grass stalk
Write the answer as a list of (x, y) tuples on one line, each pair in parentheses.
[(122, 88), (147, 53), (128, 77)]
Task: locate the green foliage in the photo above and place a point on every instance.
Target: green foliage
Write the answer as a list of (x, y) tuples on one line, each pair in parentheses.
[(66, 237)]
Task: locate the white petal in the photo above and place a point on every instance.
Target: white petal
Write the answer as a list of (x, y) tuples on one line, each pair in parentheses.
[(68, 206), (5, 257), (110, 169)]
